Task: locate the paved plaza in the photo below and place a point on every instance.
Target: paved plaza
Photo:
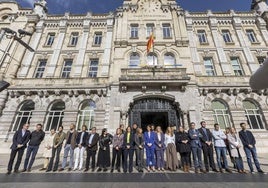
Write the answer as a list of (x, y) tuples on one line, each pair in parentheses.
[(39, 179)]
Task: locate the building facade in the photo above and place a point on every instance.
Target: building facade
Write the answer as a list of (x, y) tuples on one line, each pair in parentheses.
[(94, 69)]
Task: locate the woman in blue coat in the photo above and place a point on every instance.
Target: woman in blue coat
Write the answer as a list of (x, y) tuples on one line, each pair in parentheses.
[(149, 138)]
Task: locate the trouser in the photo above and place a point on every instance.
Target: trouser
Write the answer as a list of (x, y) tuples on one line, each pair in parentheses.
[(55, 151), (128, 154), (150, 159), (197, 157), (13, 154), (252, 152), (116, 156), (140, 154), (239, 163), (221, 154), (208, 157), (68, 149), (46, 162), (185, 158), (79, 157), (31, 152), (91, 154), (160, 158)]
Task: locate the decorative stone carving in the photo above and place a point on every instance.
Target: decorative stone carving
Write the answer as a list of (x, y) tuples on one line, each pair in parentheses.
[(143, 89)]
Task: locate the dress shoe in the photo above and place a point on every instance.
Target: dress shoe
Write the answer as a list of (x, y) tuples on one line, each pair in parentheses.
[(93, 169), (99, 169), (112, 170), (61, 169), (215, 170), (118, 170), (228, 170), (261, 171), (42, 169), (48, 170), (69, 169), (221, 170), (8, 172), (16, 171), (24, 170), (203, 171), (54, 170), (86, 170), (29, 170), (105, 169), (196, 171)]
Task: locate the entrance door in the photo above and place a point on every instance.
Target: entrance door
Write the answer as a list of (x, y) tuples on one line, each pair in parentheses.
[(156, 118), (157, 111)]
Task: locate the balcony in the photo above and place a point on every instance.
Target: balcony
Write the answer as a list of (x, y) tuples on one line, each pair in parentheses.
[(151, 77)]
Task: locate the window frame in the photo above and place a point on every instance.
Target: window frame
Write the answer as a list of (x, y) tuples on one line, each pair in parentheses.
[(134, 31), (97, 41), (256, 113), (150, 27), (166, 28), (235, 70), (93, 73), (213, 71), (65, 73), (74, 39), (224, 113), (202, 36), (50, 39), (130, 63), (251, 36), (83, 114), (227, 38), (39, 71), (51, 114)]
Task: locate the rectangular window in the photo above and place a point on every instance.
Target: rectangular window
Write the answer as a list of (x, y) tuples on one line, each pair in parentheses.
[(50, 39), (73, 39), (202, 36), (97, 39), (67, 68), (40, 69), (226, 36), (93, 68), (134, 31), (209, 67), (251, 36), (261, 60), (236, 66), (149, 29), (166, 31)]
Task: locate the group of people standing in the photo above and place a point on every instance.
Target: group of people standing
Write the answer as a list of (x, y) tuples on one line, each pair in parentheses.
[(132, 141)]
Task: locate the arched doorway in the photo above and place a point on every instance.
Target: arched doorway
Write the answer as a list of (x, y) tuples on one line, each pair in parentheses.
[(157, 111)]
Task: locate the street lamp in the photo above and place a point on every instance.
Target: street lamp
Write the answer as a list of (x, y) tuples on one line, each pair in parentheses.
[(12, 35)]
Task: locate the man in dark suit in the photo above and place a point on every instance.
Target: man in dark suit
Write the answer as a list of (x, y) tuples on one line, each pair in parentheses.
[(92, 147), (20, 140), (207, 146), (248, 141)]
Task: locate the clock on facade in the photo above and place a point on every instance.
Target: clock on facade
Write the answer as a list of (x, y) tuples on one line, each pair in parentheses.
[(149, 5)]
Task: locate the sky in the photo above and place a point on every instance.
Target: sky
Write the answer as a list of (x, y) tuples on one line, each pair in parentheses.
[(104, 6)]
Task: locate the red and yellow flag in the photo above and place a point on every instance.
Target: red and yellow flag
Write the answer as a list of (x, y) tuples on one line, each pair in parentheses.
[(150, 43)]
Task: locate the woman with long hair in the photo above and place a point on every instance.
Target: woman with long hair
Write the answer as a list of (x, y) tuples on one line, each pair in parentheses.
[(235, 145), (149, 137), (139, 147), (117, 149), (159, 148), (105, 140), (171, 153)]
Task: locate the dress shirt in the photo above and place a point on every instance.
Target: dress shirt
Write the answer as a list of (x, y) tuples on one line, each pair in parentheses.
[(81, 139), (90, 139)]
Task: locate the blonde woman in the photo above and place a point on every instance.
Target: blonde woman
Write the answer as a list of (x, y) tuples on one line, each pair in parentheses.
[(48, 148), (171, 153)]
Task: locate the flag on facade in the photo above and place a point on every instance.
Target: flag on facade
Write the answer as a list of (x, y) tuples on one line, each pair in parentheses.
[(150, 43)]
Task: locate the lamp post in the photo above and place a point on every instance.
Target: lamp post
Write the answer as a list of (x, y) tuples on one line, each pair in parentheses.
[(12, 35)]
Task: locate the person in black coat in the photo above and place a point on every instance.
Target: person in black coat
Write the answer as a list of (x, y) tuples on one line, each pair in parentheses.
[(207, 147), (184, 148), (104, 160), (20, 140), (248, 141), (92, 147), (128, 150)]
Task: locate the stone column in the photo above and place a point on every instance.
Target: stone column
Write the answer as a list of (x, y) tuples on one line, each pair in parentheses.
[(56, 53)]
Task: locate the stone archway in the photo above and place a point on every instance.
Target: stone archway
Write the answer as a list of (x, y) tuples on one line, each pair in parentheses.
[(154, 110)]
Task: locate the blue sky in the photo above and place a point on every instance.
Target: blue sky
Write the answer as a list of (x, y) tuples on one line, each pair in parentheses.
[(101, 6)]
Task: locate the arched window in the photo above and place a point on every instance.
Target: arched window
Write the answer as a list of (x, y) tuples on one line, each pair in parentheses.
[(86, 114), (134, 60), (151, 59), (253, 115), (23, 115), (55, 115), (221, 114), (169, 60)]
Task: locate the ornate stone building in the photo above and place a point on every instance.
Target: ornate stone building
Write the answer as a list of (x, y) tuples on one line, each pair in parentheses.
[(94, 69)]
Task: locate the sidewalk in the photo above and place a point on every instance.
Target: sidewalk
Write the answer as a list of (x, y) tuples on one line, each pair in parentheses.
[(4, 158)]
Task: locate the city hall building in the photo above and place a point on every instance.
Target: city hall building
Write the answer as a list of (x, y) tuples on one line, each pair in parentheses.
[(94, 69)]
